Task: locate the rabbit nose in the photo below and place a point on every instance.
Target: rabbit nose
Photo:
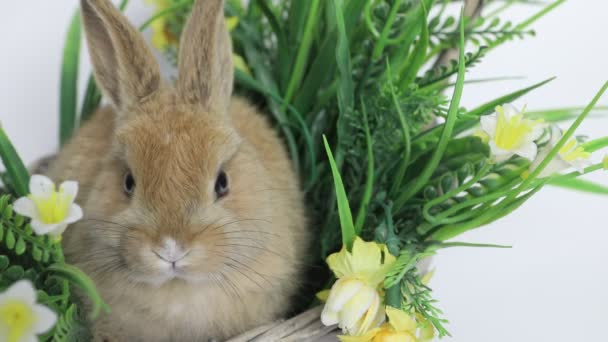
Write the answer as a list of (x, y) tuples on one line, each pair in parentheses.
[(170, 251)]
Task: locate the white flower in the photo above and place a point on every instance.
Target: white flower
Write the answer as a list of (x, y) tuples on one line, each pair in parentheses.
[(571, 155), (51, 211), (355, 306), (511, 134), (354, 302), (21, 318)]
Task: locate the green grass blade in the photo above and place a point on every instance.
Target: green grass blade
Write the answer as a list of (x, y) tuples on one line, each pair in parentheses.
[(596, 144), (92, 99), (582, 185), (416, 59), (69, 81), (561, 114), (15, 169), (446, 134), (346, 219), (489, 107), (485, 109), (369, 183), (81, 280), (303, 50), (345, 85)]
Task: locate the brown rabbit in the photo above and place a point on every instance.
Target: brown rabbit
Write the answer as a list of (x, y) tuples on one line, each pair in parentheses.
[(194, 223)]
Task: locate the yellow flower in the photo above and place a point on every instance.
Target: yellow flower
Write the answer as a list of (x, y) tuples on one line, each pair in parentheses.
[(401, 327), (354, 302), (511, 134), (571, 155), (51, 211), (162, 38), (21, 318)]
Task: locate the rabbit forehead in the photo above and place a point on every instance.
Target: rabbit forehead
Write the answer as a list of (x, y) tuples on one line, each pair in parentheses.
[(176, 151)]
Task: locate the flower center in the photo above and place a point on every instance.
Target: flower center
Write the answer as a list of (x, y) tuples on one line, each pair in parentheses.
[(511, 132), (18, 317), (571, 152), (54, 208)]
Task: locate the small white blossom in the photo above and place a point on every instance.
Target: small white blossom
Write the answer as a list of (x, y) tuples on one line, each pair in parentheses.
[(571, 155), (51, 211), (510, 133), (21, 318)]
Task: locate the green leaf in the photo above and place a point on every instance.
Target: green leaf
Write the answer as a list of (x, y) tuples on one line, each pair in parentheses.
[(20, 246), (10, 240), (4, 262), (345, 81), (560, 114), (69, 80), (416, 185), (467, 244), (369, 183), (92, 99), (15, 170), (303, 49), (581, 185), (80, 279), (596, 144), (346, 219), (416, 59)]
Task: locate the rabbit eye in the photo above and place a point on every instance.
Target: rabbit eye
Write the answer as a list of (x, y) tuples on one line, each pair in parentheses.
[(128, 183), (221, 185)]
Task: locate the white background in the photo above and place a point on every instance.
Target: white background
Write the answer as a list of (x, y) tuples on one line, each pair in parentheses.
[(550, 287)]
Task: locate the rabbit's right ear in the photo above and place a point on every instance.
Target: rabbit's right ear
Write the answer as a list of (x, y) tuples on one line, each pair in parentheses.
[(125, 68)]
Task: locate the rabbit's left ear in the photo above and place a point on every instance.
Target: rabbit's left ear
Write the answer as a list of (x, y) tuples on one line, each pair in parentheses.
[(124, 66), (206, 73)]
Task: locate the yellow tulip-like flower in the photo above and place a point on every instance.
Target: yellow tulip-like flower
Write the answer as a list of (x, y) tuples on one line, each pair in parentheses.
[(511, 134), (51, 211), (21, 318), (354, 302), (401, 327)]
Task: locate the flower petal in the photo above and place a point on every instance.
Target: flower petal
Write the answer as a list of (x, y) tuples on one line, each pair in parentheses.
[(41, 186), (340, 263), (510, 110), (374, 316), (342, 291), (499, 154), (400, 320), (69, 189), (527, 151), (74, 214), (367, 256), (355, 309), (45, 319), (488, 124), (26, 207), (556, 165), (22, 290), (42, 228), (328, 317)]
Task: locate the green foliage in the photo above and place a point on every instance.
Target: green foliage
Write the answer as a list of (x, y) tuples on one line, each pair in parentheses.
[(349, 80), (16, 177), (69, 81)]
